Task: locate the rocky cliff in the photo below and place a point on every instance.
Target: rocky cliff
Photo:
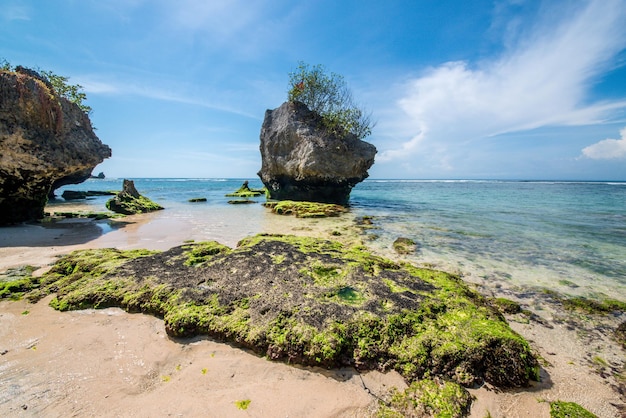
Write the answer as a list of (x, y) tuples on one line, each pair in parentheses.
[(303, 161), (45, 142)]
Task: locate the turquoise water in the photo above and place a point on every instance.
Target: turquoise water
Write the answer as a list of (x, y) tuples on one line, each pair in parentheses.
[(570, 236)]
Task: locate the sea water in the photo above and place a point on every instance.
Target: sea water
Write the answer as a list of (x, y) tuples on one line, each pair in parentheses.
[(567, 236)]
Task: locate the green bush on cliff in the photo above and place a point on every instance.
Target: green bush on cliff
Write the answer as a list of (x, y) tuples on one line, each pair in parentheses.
[(329, 96), (72, 92)]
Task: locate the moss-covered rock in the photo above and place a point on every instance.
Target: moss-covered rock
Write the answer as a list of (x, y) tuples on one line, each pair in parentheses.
[(428, 398), (593, 306), (506, 306), (309, 301), (560, 409), (130, 202), (15, 282), (246, 191), (404, 245), (305, 209)]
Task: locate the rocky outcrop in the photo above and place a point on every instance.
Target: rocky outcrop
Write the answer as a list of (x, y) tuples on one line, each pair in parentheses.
[(130, 202), (45, 142), (303, 161), (308, 301)]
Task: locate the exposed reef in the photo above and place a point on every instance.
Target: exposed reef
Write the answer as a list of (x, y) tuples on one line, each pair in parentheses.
[(301, 160), (305, 209), (46, 142), (306, 301)]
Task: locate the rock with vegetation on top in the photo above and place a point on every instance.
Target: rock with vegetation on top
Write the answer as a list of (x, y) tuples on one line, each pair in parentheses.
[(46, 141), (130, 202), (246, 191), (307, 301), (303, 161)]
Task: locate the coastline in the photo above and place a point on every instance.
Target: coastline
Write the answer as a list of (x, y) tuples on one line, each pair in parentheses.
[(568, 344)]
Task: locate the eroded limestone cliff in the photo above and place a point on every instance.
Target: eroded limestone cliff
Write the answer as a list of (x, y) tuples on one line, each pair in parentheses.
[(45, 142)]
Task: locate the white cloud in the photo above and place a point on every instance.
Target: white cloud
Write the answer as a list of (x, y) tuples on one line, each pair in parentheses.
[(608, 149), (543, 80)]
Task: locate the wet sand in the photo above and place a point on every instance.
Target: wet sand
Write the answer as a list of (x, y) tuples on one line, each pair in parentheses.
[(109, 363)]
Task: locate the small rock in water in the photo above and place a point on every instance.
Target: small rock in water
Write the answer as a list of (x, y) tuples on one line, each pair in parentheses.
[(404, 245)]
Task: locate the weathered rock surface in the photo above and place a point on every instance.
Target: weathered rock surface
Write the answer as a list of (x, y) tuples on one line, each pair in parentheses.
[(45, 142), (130, 202), (308, 301), (302, 161)]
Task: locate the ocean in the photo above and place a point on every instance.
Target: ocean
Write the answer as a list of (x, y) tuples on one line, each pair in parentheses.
[(561, 235)]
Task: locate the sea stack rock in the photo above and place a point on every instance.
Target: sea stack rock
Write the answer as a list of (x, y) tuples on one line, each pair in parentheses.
[(130, 202), (303, 161), (45, 141)]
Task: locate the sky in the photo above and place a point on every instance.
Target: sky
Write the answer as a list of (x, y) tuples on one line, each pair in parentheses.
[(498, 89)]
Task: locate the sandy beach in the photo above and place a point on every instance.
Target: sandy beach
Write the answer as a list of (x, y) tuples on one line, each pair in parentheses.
[(110, 363)]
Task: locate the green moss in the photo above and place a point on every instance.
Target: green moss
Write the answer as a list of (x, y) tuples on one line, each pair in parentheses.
[(246, 191), (594, 306), (428, 398), (305, 209), (560, 409), (243, 405), (437, 326), (395, 288), (201, 252), (404, 245), (506, 305), (304, 244), (15, 282), (130, 205), (197, 199)]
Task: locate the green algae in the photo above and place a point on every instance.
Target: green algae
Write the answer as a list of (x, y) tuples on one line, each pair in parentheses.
[(506, 306), (16, 282), (305, 209), (560, 409), (243, 404), (593, 306), (404, 245), (430, 398), (246, 191), (130, 205), (321, 304), (201, 252)]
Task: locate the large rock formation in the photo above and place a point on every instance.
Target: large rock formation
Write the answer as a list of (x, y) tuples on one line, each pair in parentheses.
[(303, 161), (45, 142)]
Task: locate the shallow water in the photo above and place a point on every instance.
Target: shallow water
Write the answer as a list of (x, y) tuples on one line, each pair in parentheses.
[(568, 236)]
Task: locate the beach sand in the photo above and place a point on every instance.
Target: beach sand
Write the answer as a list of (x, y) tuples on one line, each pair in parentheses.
[(110, 363)]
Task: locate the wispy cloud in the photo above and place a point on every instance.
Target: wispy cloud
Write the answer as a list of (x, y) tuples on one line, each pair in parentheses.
[(93, 85), (11, 12), (543, 79), (608, 149)]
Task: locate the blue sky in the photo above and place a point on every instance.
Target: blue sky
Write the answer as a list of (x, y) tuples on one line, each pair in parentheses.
[(509, 89)]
